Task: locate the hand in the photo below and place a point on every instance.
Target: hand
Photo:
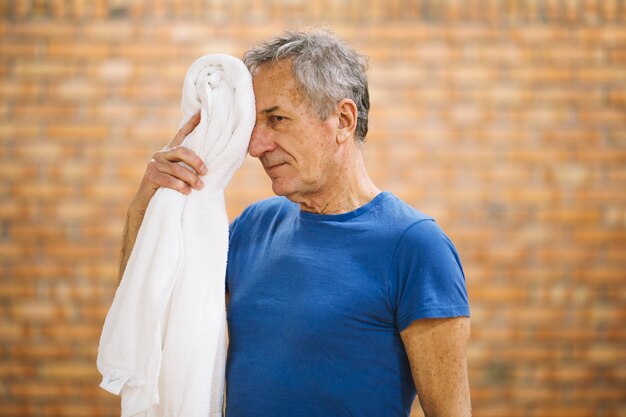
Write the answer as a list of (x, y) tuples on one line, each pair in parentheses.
[(164, 169)]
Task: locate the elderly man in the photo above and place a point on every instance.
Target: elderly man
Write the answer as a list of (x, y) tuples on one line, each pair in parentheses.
[(343, 300)]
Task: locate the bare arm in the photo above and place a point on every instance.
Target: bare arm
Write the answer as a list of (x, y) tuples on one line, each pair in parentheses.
[(133, 221), (437, 352), (162, 171)]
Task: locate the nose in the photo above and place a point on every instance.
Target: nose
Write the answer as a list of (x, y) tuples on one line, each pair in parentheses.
[(260, 142)]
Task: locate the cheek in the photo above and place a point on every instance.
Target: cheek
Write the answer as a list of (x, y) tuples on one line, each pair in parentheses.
[(319, 165), (313, 154)]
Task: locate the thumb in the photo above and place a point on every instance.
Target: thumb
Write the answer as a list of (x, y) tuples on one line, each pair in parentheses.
[(185, 130)]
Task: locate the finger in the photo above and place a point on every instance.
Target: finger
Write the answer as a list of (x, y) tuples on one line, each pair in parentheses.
[(168, 181), (185, 130), (181, 173), (189, 157)]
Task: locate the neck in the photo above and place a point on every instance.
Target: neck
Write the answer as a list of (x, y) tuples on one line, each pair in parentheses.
[(346, 191)]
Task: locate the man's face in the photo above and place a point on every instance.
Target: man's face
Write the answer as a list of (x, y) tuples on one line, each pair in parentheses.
[(297, 150)]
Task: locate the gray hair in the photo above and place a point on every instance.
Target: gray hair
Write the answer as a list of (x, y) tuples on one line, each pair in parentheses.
[(326, 68)]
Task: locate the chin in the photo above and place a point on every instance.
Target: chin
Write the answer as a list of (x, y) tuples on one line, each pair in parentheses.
[(282, 189)]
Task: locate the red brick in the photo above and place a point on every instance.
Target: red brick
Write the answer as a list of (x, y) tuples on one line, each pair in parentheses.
[(77, 132), (565, 254), (16, 370), (29, 111), (74, 172), (110, 31), (494, 333), (19, 410), (605, 354), (95, 313), (497, 410), (598, 276), (73, 409), (120, 111), (16, 290), (10, 251), (74, 251), (616, 410), (102, 271), (617, 295), (41, 151), (122, 154), (11, 331), (90, 349), (68, 371), (34, 70), (36, 310), (58, 49), (18, 132), (78, 88), (541, 34), (78, 332), (75, 210), (16, 171), (603, 116), (41, 270), (19, 49), (499, 295), (39, 391), (557, 335), (104, 232), (563, 411), (617, 55), (88, 290), (555, 374), (606, 394), (132, 173), (501, 119), (41, 191), (41, 352), (616, 374), (33, 233), (569, 216), (19, 90)]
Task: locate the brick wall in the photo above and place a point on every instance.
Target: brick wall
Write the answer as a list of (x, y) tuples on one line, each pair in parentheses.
[(503, 119)]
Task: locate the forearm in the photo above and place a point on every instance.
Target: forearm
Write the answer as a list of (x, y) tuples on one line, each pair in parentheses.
[(451, 397), (134, 217), (131, 228), (455, 404), (163, 170)]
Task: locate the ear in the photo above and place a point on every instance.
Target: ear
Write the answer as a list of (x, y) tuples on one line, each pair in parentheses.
[(347, 115)]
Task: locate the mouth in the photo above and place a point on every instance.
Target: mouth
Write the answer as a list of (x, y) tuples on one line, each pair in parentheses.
[(273, 167)]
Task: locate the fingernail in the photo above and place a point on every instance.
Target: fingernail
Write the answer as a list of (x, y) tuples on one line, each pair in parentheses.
[(203, 169), (199, 185)]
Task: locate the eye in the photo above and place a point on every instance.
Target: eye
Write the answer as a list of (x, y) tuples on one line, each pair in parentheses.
[(275, 118)]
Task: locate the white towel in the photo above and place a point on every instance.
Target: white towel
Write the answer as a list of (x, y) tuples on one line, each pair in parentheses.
[(163, 345)]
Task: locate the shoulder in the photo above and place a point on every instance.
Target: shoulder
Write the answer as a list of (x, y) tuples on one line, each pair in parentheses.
[(404, 218), (417, 232), (423, 233), (426, 275), (425, 242)]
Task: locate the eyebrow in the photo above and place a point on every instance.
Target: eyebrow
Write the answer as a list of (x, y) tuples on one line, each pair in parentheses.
[(270, 109)]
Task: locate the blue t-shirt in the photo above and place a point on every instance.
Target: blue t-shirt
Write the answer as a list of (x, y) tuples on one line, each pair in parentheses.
[(317, 304)]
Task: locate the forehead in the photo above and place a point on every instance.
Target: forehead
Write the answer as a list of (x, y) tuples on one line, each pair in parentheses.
[(275, 85)]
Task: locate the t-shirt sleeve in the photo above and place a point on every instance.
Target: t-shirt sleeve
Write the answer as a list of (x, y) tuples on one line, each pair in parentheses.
[(426, 276)]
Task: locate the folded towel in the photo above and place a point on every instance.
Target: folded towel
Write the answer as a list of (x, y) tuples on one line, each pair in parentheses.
[(163, 345)]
